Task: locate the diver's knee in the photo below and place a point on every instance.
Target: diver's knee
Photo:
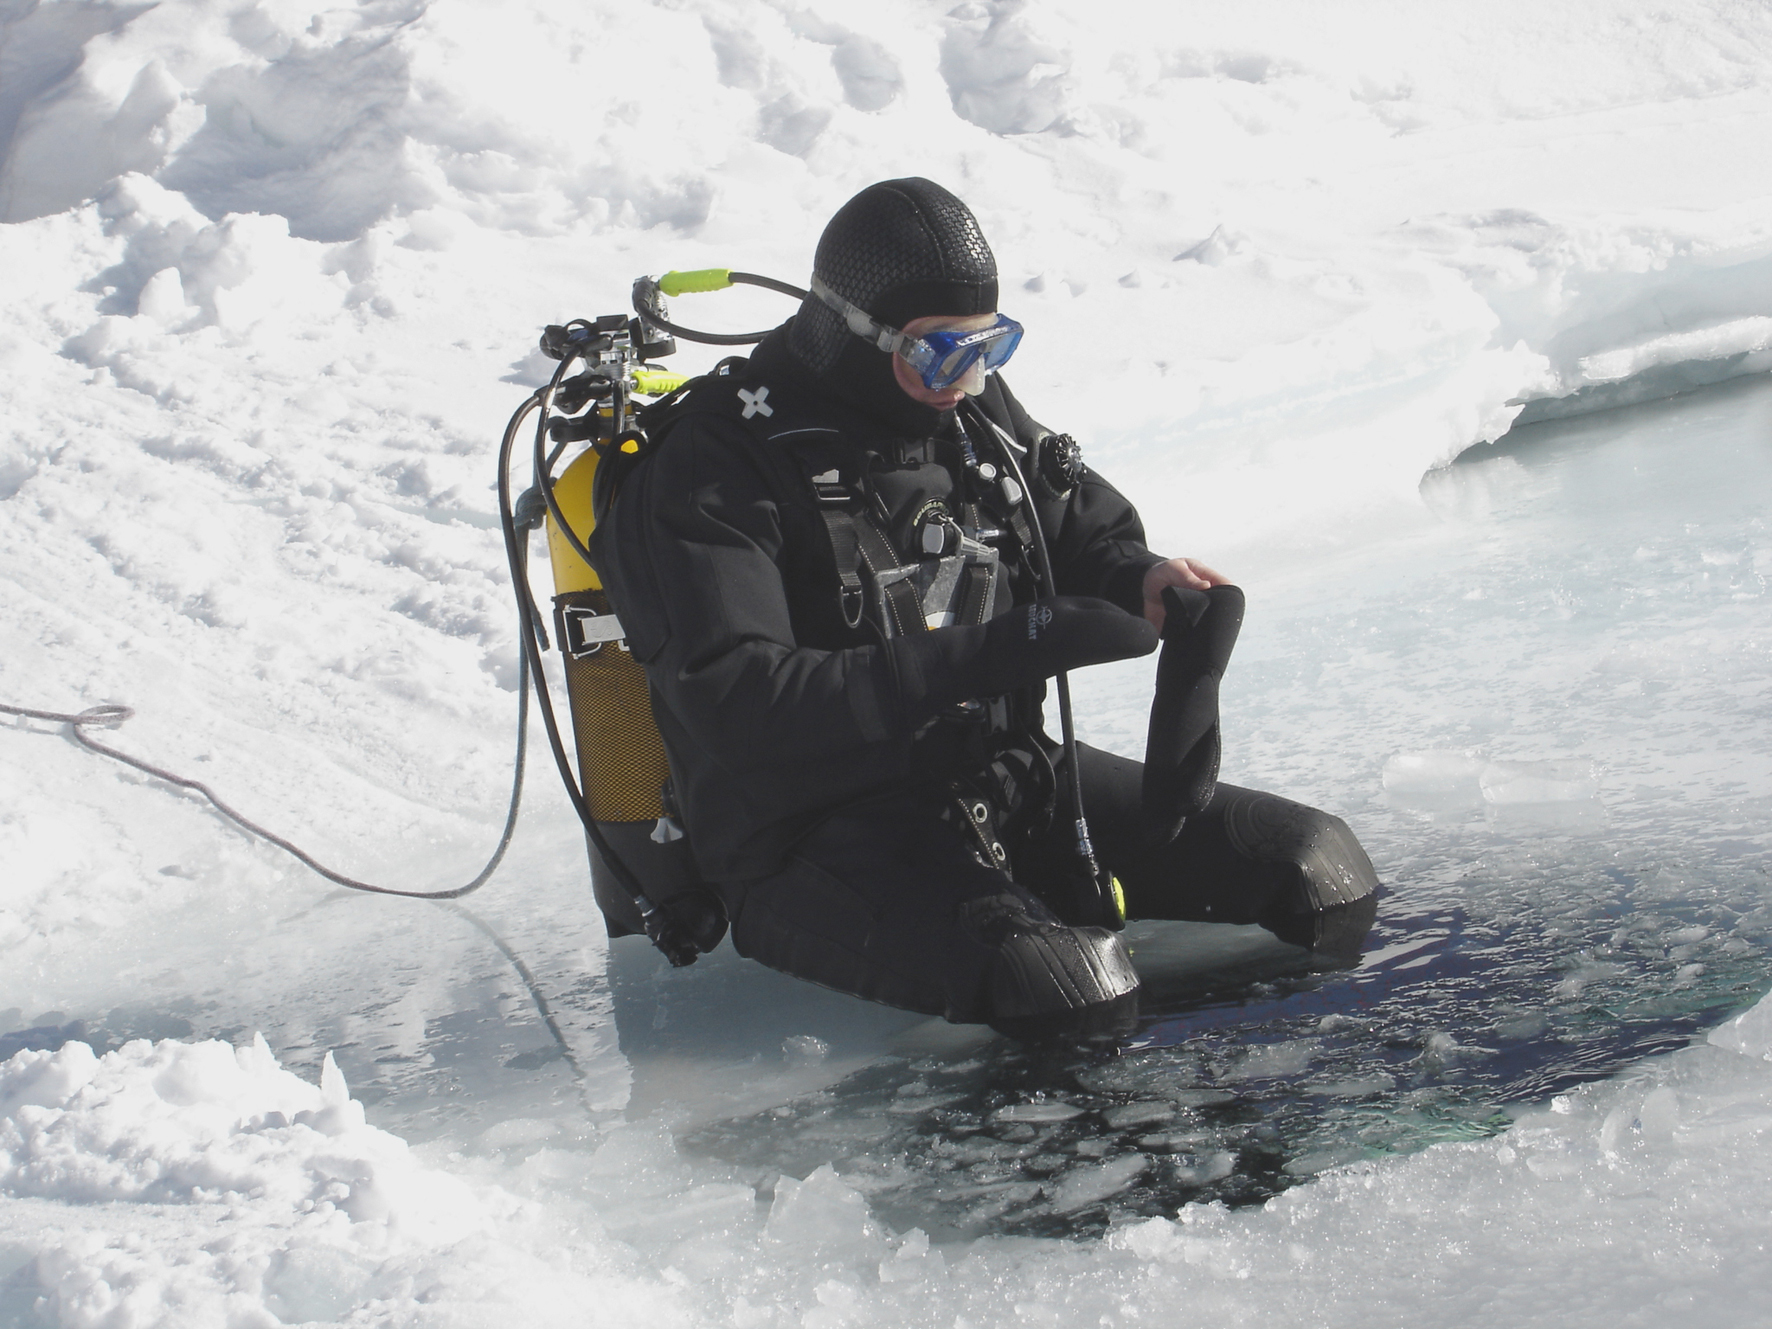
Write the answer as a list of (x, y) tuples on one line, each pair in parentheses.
[(1328, 897), (1335, 933)]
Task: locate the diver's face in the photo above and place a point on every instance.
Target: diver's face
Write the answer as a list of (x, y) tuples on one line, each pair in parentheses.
[(970, 384)]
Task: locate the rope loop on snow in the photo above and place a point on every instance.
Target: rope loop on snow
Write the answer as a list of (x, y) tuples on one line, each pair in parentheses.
[(113, 714)]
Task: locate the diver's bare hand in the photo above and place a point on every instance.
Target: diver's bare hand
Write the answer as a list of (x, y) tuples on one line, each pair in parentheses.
[(1188, 572)]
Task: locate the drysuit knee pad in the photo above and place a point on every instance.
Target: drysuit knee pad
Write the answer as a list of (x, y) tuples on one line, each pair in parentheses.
[(1327, 891)]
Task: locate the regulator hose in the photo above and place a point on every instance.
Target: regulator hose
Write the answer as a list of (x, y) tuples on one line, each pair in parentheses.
[(650, 306), (1112, 914)]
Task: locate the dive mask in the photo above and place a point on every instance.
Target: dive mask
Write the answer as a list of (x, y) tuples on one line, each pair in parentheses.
[(940, 358)]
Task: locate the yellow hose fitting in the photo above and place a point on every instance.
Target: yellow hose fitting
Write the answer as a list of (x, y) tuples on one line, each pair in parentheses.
[(701, 279), (657, 382)]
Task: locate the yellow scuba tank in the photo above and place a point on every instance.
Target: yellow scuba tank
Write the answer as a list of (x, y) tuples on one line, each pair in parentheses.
[(643, 871), (621, 758), (622, 764)]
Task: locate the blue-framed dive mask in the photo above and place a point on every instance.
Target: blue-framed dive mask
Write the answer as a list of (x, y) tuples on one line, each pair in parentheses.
[(940, 358)]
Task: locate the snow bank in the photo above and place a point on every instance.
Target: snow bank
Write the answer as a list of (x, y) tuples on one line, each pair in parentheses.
[(254, 1198), (232, 1192), (1310, 257)]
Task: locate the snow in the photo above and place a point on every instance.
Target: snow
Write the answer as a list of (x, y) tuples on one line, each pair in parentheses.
[(272, 275)]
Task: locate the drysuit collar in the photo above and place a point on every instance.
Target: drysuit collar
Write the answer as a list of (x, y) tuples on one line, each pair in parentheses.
[(861, 380)]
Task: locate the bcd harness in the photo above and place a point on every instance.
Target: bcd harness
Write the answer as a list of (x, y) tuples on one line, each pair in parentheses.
[(954, 560)]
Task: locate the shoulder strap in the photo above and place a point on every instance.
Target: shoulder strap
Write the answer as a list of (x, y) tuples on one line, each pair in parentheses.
[(857, 539)]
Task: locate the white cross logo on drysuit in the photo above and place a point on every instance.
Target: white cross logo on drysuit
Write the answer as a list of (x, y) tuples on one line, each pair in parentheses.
[(755, 403)]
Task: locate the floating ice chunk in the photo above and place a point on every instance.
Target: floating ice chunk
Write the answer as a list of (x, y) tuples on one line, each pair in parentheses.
[(1569, 781), (1438, 1051), (1037, 1112), (1085, 1185), (1434, 780), (1207, 1168), (1433, 771), (1749, 1033), (1172, 1142), (1147, 1077), (1321, 1160), (910, 1107), (1138, 1114), (1203, 1097), (1271, 1059)]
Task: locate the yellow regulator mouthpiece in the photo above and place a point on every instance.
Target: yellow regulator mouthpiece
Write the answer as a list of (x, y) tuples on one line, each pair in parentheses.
[(701, 279)]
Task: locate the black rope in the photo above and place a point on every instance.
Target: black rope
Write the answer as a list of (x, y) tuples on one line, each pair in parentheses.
[(518, 554), (111, 715), (664, 933)]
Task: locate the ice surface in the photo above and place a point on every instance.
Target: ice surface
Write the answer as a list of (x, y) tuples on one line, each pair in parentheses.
[(272, 274)]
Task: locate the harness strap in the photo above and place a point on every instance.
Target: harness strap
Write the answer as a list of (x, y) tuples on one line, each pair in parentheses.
[(897, 591), (975, 593), (1018, 522), (847, 550)]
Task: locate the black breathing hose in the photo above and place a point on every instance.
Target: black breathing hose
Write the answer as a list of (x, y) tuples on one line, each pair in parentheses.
[(1061, 681), (658, 320)]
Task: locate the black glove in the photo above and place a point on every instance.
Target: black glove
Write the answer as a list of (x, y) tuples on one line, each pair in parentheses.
[(1014, 650), (1182, 749)]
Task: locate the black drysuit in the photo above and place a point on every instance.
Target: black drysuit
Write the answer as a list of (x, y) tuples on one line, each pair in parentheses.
[(833, 816)]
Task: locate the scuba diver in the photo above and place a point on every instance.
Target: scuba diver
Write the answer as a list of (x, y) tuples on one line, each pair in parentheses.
[(850, 565)]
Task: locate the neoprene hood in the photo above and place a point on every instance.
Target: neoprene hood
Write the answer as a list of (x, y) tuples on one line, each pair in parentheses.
[(901, 249)]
